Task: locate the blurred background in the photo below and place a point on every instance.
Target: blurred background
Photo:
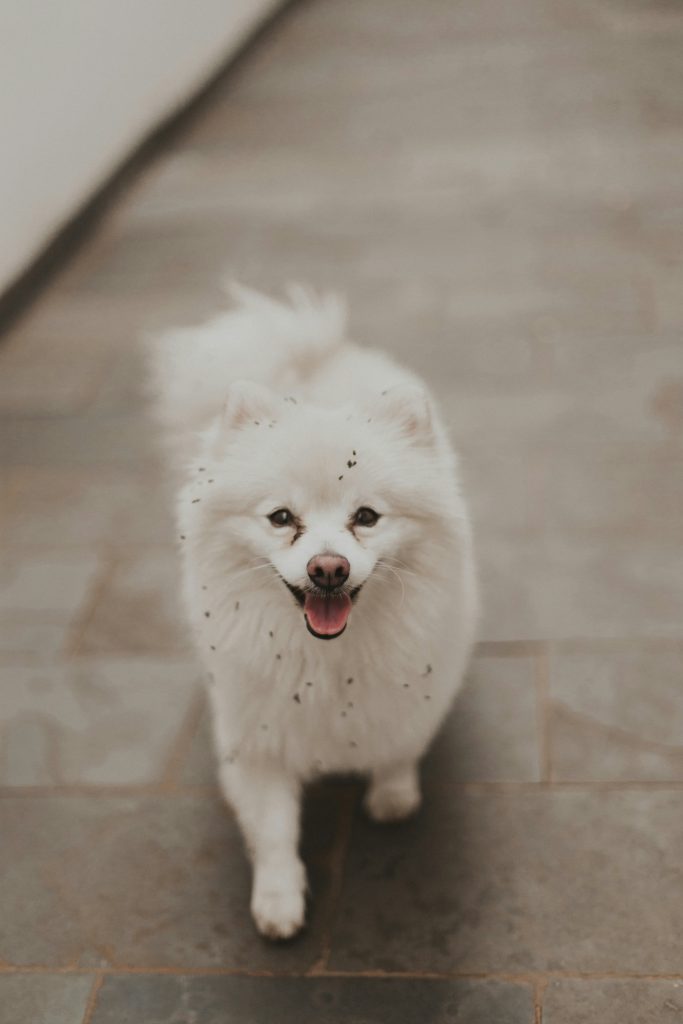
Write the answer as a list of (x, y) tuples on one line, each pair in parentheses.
[(498, 190)]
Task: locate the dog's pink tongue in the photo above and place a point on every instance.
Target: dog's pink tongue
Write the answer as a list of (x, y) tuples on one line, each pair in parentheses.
[(327, 615)]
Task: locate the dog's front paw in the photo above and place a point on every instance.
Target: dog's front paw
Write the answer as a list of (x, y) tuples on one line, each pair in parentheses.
[(394, 798), (278, 902)]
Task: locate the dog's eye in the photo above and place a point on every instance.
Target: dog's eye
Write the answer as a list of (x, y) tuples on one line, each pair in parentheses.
[(281, 517), (365, 517)]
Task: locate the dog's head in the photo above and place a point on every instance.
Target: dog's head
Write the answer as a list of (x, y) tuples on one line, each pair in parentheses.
[(324, 497)]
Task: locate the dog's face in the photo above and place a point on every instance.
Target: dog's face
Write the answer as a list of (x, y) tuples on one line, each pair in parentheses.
[(325, 498)]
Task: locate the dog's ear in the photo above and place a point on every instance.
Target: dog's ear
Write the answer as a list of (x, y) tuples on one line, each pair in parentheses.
[(408, 407), (247, 402)]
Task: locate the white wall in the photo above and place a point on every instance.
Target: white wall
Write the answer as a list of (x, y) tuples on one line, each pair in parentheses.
[(81, 83)]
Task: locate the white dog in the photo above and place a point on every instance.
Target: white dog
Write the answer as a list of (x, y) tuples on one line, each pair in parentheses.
[(328, 566)]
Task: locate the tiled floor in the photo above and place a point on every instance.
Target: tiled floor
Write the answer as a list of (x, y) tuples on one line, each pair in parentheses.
[(499, 189)]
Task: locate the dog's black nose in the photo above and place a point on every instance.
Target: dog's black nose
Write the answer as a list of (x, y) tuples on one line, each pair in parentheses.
[(328, 571)]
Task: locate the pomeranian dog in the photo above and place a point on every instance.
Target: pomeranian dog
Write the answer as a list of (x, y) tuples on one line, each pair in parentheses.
[(327, 563)]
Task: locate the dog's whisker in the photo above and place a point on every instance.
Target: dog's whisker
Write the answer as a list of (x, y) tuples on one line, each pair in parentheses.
[(391, 559), (399, 578), (254, 568)]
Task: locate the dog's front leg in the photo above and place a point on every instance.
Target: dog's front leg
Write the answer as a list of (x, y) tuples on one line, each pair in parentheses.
[(267, 803)]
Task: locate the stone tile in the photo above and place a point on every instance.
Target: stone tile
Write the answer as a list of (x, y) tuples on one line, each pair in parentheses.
[(121, 440), (553, 586), (617, 714), (613, 1002), (583, 542), (554, 420), (79, 326), (216, 1000), (126, 386), (34, 637), (52, 384), (668, 298), (516, 881), (325, 248), (138, 608), (631, 491), (491, 734), (46, 580), (43, 998), (503, 491), (75, 506), (7, 493), (92, 721), (144, 881)]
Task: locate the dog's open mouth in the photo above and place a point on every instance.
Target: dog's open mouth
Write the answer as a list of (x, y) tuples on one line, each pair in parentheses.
[(326, 611)]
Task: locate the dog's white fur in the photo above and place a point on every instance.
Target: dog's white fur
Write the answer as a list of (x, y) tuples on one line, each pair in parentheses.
[(269, 406)]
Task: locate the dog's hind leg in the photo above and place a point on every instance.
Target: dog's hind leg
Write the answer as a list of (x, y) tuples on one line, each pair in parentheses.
[(393, 793), (267, 804)]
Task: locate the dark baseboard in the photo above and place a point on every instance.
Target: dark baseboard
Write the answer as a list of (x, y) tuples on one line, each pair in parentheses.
[(15, 300)]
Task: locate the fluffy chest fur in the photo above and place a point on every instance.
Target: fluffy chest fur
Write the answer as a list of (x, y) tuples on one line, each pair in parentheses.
[(350, 704)]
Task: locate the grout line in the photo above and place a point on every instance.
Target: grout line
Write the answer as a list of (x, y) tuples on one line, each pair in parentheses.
[(543, 715), (92, 998), (539, 994), (337, 865), (538, 979)]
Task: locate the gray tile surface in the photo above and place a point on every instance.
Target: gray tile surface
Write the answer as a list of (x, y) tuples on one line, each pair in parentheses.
[(138, 608), (491, 734), (614, 1002), (617, 714), (67, 506), (164, 1000), (517, 882), (94, 721), (142, 881), (43, 999), (47, 581)]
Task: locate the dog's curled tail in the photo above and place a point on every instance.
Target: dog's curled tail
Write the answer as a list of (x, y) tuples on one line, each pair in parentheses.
[(307, 324), (260, 338)]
